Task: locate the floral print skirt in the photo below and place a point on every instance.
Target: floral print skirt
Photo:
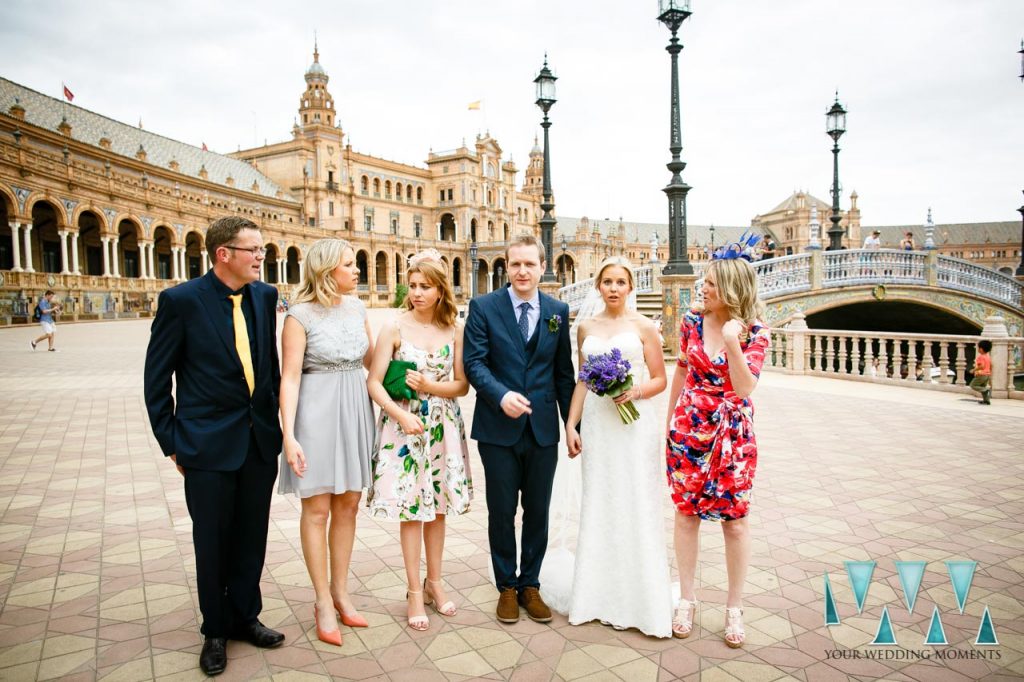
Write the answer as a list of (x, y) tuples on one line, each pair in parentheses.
[(417, 477)]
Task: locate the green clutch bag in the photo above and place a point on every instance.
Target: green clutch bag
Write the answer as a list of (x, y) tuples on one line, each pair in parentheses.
[(394, 380)]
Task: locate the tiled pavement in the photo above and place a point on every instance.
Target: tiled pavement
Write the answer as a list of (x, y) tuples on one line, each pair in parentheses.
[(97, 576)]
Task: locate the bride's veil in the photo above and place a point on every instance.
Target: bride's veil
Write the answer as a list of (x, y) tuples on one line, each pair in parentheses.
[(567, 490)]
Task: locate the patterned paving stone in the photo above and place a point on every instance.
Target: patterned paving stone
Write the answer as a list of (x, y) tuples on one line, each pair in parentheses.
[(97, 576)]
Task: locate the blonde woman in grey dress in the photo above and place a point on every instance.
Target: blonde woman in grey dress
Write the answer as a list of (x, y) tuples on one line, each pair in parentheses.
[(327, 420)]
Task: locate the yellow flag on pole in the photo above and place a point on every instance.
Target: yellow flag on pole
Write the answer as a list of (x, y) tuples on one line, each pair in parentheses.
[(474, 105)]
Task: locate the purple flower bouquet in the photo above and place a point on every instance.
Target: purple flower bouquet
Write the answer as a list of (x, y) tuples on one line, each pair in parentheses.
[(608, 375)]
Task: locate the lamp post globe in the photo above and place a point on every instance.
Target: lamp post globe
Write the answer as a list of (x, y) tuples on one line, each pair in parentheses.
[(545, 82), (835, 126)]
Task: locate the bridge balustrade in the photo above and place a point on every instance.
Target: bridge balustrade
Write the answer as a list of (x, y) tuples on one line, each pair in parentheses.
[(953, 273), (931, 361), (784, 275), (880, 266)]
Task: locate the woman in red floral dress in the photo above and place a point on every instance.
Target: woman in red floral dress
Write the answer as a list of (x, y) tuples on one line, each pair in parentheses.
[(711, 451)]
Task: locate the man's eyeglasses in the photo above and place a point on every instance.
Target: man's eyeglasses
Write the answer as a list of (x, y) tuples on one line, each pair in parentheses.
[(256, 251)]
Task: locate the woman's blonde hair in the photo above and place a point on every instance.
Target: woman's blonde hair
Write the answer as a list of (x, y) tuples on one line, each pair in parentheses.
[(436, 274), (620, 261), (736, 281), (318, 285)]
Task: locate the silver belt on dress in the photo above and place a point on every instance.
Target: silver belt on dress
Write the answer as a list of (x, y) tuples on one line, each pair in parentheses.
[(335, 368)]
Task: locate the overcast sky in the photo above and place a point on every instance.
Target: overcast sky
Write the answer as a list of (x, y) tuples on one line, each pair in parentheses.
[(936, 105)]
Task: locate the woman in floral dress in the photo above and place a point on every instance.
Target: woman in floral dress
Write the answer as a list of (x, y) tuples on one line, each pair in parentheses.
[(420, 459), (711, 451)]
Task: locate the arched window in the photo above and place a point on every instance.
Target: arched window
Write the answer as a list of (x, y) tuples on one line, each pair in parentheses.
[(398, 191), (408, 192), (419, 195), (376, 187), (387, 189), (364, 185)]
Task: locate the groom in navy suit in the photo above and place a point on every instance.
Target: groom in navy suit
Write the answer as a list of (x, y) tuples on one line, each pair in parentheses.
[(518, 357), (216, 336)]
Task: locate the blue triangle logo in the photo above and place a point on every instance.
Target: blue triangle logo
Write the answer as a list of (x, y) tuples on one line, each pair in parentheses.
[(831, 613), (911, 573), (936, 633), (961, 574), (885, 635), (986, 631), (860, 573)]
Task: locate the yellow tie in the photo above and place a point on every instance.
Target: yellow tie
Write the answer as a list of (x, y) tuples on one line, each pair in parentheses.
[(242, 341)]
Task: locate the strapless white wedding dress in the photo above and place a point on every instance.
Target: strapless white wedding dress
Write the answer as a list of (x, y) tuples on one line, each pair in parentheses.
[(621, 571)]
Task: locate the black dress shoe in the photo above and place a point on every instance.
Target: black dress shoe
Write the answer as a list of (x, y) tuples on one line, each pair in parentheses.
[(214, 657), (258, 634)]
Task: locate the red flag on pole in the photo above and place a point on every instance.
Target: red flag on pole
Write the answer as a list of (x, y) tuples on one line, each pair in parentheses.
[(68, 95), (204, 147)]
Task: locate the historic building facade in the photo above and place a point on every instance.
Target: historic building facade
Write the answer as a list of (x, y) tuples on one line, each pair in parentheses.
[(108, 214)]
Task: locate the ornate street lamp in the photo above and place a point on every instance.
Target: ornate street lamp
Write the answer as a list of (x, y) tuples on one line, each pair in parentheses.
[(1021, 53), (545, 82), (673, 13), (712, 230), (473, 253), (565, 265), (1020, 266), (835, 126)]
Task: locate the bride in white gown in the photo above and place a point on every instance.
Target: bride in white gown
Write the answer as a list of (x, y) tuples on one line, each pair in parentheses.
[(621, 574)]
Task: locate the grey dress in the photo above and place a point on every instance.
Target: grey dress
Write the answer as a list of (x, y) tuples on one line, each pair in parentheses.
[(334, 416)]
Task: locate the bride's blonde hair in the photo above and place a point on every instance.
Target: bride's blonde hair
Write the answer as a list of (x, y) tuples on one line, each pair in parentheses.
[(620, 261)]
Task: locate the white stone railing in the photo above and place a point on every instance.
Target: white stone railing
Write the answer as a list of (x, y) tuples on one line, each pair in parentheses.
[(784, 275), (931, 361), (874, 266), (574, 294), (953, 273)]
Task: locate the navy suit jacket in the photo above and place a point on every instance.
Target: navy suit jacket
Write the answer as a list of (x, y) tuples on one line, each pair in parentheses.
[(209, 426), (496, 361)]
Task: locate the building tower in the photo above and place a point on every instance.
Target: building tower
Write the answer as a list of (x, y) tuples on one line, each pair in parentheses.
[(316, 106), (534, 184)]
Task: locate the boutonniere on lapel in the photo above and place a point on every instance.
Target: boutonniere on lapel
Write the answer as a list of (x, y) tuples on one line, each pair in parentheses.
[(554, 322)]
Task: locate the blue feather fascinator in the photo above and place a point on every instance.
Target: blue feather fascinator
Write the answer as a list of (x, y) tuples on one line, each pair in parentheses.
[(744, 248)]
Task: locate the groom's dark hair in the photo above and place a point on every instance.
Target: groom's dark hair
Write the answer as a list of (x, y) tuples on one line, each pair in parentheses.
[(525, 239)]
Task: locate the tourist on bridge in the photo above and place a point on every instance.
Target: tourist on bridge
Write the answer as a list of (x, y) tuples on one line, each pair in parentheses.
[(711, 452)]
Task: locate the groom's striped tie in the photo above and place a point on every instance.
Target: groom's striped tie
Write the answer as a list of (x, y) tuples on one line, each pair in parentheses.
[(524, 320)]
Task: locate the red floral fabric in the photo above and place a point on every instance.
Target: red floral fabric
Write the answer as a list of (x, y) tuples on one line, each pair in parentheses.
[(711, 453)]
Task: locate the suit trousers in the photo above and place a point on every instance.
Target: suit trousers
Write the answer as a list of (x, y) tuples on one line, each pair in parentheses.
[(230, 513), (524, 468)]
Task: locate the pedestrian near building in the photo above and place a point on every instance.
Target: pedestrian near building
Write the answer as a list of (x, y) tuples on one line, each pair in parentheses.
[(47, 309)]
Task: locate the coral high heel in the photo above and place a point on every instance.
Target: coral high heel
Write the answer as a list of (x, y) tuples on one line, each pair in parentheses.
[(332, 637), (353, 621)]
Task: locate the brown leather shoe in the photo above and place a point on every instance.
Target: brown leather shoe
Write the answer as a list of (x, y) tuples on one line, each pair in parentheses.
[(535, 607), (508, 607)]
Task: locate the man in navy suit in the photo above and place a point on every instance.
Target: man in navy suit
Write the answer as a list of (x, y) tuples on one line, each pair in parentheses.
[(217, 336), (518, 358)]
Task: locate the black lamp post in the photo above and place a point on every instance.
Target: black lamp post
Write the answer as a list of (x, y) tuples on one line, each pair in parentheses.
[(835, 126), (473, 253), (545, 82), (673, 13), (564, 270), (712, 231), (1020, 266)]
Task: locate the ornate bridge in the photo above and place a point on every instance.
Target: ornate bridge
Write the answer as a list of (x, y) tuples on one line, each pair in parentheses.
[(818, 281)]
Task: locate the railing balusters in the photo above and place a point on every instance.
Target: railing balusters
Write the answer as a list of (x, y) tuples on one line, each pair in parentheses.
[(961, 363), (943, 362), (843, 368), (883, 358)]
